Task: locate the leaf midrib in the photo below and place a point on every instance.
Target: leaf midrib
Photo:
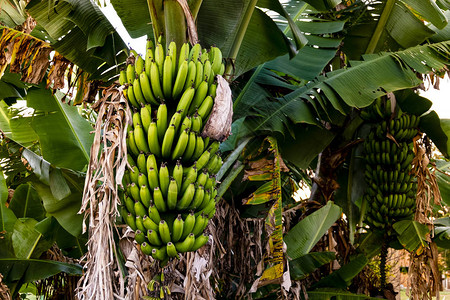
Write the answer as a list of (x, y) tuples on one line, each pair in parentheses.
[(86, 155)]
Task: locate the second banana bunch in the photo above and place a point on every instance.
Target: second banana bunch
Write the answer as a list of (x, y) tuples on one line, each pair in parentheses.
[(170, 187)]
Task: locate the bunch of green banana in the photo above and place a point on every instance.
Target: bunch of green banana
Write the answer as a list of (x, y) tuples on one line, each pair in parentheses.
[(170, 185), (388, 152)]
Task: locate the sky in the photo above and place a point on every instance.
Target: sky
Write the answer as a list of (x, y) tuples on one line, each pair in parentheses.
[(440, 98)]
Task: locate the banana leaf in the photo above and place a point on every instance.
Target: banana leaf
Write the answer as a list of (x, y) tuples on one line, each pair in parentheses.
[(64, 135), (306, 233)]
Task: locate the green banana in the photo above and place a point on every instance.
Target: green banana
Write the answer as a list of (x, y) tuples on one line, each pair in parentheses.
[(189, 224), (190, 79), (139, 236), (168, 138), (190, 148), (161, 120), (187, 197), (155, 82), (147, 89), (181, 145), (167, 77), (164, 178), (159, 200), (153, 213), (153, 237), (153, 142), (132, 144), (149, 224), (177, 231), (180, 80), (177, 174), (205, 108), (171, 251), (200, 242), (140, 140), (186, 244), (145, 195), (172, 194), (164, 232), (200, 94)]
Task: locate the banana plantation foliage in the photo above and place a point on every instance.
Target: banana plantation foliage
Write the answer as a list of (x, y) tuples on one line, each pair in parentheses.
[(254, 149)]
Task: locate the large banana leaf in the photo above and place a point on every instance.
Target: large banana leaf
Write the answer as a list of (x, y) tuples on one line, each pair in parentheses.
[(64, 135), (16, 127), (26, 203), (306, 233), (336, 294), (28, 270), (7, 221), (434, 128), (443, 180), (356, 86), (411, 234), (308, 263), (442, 232), (390, 25), (79, 31), (342, 278), (27, 241)]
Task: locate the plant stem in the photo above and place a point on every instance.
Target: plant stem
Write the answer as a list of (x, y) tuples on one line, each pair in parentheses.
[(383, 257), (380, 26), (261, 66), (157, 30), (239, 38), (175, 23)]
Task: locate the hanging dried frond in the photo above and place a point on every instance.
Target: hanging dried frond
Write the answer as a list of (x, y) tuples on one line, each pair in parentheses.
[(423, 271), (4, 291), (31, 57), (100, 197)]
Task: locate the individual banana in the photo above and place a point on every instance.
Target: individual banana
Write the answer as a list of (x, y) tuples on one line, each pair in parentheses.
[(139, 236), (146, 117), (145, 195), (153, 213), (205, 108), (161, 120), (184, 54), (181, 145), (130, 73), (186, 244), (131, 97), (172, 194), (167, 77), (139, 64), (149, 56), (187, 155), (189, 224), (177, 174), (171, 251), (200, 94), (200, 242), (153, 237), (177, 228), (153, 141), (140, 139), (164, 179), (172, 51), (185, 101), (187, 197), (190, 79), (122, 77), (155, 82), (168, 139), (146, 88), (180, 79), (164, 232), (159, 58), (158, 199), (131, 143), (149, 224)]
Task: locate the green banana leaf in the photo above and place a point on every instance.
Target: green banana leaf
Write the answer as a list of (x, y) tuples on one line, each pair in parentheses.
[(336, 294), (79, 31), (443, 180), (306, 233), (304, 265), (28, 270), (390, 26), (7, 221), (64, 135), (26, 203), (432, 125), (27, 241), (442, 232), (135, 17), (356, 86), (342, 277), (15, 126), (411, 234)]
